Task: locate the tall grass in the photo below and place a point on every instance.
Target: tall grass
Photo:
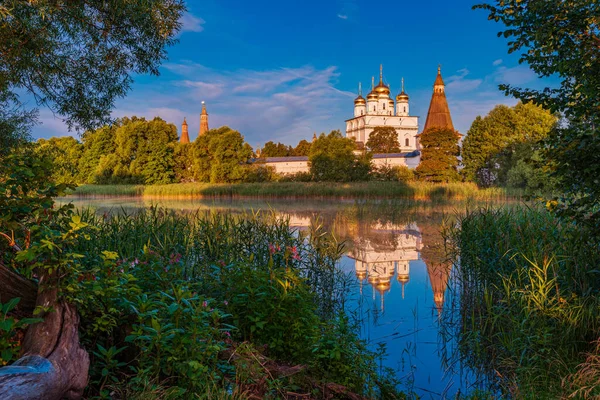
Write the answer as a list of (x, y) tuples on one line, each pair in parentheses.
[(529, 303), (413, 190), (191, 302)]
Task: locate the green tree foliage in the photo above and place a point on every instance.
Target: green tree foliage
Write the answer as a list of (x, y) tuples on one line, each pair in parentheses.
[(132, 150), (302, 149), (439, 154), (183, 162), (78, 57), (145, 151), (495, 142), (221, 156), (272, 149), (64, 153), (15, 123), (97, 144), (561, 39), (383, 139), (332, 158)]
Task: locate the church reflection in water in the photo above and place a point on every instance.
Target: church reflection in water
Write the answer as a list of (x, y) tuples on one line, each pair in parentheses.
[(383, 252)]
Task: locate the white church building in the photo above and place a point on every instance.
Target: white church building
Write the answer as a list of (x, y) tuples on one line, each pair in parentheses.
[(378, 110)]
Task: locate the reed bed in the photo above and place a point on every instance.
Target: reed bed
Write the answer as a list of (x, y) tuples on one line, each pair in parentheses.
[(186, 302), (413, 190), (529, 305)]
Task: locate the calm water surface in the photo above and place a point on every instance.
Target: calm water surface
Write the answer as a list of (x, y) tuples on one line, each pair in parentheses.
[(404, 288)]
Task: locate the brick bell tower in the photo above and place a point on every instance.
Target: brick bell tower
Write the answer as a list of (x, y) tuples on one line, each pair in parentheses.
[(203, 120), (185, 137)]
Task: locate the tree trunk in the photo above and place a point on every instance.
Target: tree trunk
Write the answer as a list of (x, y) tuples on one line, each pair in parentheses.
[(54, 365), (14, 285)]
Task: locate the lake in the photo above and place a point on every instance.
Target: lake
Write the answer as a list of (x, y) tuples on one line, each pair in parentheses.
[(403, 293)]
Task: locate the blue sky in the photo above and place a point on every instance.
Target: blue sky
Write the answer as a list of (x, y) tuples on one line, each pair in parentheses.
[(281, 70)]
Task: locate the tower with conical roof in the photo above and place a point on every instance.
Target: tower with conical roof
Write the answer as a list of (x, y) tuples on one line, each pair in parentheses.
[(185, 137), (439, 112), (203, 120)]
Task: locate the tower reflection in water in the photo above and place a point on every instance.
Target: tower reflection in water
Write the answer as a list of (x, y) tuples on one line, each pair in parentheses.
[(383, 252)]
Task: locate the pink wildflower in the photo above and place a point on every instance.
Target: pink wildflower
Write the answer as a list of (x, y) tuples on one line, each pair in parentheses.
[(226, 302), (205, 304), (271, 249)]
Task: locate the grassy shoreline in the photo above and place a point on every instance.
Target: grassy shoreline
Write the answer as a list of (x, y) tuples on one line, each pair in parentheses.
[(384, 190)]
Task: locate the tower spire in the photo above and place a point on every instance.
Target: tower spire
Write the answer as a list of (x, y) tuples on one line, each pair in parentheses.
[(360, 88), (438, 115), (203, 120), (185, 137), (380, 73), (402, 84), (372, 82)]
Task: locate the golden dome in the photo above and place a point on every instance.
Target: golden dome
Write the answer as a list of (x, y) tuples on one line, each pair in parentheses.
[(403, 278), (360, 101), (372, 96), (361, 274), (382, 286), (402, 97), (382, 89)]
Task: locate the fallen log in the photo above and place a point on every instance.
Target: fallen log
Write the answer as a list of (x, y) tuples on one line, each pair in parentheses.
[(13, 285), (54, 366)]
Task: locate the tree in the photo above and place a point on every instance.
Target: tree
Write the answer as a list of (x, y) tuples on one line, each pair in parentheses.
[(491, 140), (439, 162), (221, 156), (64, 153), (77, 58), (97, 144), (302, 149), (183, 162), (332, 158), (561, 39), (383, 139), (275, 150)]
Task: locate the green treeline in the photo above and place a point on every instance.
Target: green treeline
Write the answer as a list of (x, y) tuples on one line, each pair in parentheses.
[(501, 149)]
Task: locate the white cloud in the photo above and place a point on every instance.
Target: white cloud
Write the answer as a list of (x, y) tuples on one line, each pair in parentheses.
[(341, 16), (191, 23), (515, 76), (497, 62), (284, 104), (460, 84)]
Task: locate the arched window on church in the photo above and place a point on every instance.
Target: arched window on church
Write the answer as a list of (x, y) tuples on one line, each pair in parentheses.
[(384, 106), (362, 112), (407, 142), (373, 107), (404, 109)]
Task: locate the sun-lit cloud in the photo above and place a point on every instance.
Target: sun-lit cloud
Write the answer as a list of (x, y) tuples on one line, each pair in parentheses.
[(191, 23), (341, 16), (497, 62)]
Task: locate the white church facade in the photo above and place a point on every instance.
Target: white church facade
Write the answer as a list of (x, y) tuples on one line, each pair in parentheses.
[(378, 110)]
